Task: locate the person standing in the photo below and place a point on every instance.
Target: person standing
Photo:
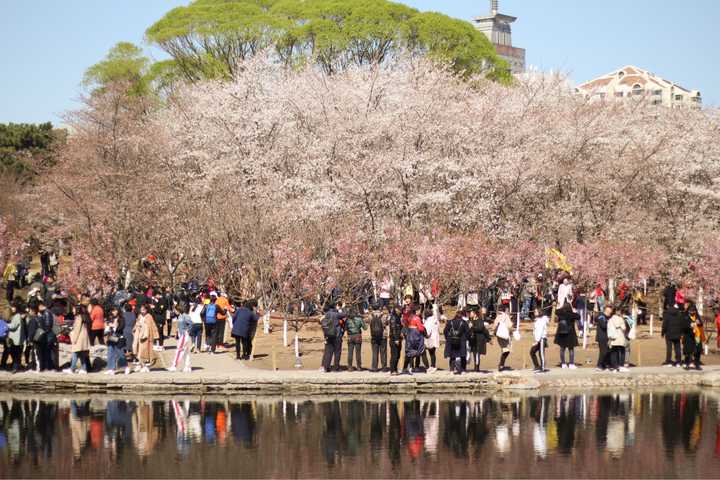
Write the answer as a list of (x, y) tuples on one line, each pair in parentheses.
[(540, 325), (502, 326), (332, 326), (617, 335), (47, 345), (144, 336), (694, 339), (210, 317), (116, 343), (10, 278), (601, 336), (16, 336), (432, 339), (33, 335), (479, 336), (414, 340), (184, 324), (244, 325), (378, 338), (97, 326), (355, 326), (395, 333), (196, 331), (129, 319), (160, 315), (225, 311), (80, 341), (673, 328), (456, 335), (566, 335)]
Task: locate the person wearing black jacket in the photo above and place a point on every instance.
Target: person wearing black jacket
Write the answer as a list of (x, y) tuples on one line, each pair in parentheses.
[(31, 326), (456, 335), (395, 333), (243, 330), (47, 345), (565, 335), (333, 344), (601, 337), (675, 324), (479, 336), (159, 313)]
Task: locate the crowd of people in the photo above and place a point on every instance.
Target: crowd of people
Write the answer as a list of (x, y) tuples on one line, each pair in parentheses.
[(131, 324), (406, 323)]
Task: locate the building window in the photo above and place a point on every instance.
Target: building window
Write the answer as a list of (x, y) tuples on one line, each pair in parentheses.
[(637, 89), (621, 74), (618, 94), (678, 98), (657, 92), (657, 102)]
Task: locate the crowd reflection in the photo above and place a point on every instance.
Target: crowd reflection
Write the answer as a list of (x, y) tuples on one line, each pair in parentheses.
[(394, 431)]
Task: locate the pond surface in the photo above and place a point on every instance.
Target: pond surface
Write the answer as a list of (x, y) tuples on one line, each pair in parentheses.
[(565, 436)]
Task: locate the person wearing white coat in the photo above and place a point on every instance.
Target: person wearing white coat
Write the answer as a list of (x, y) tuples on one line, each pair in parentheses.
[(432, 342)]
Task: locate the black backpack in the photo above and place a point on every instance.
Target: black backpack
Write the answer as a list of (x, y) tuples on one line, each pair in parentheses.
[(328, 325), (377, 330), (454, 338)]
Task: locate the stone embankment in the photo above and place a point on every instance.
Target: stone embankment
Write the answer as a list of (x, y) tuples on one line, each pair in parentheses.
[(248, 381)]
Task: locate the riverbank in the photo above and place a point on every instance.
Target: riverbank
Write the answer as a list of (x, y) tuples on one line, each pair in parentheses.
[(247, 380)]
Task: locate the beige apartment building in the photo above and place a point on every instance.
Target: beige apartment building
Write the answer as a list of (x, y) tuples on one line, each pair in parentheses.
[(634, 82), (496, 28)]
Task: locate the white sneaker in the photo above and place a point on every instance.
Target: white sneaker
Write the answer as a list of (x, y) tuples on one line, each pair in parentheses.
[(563, 366), (145, 370), (127, 370), (172, 369), (82, 372), (432, 370), (321, 370), (109, 372), (572, 366), (68, 370), (187, 370), (623, 369), (138, 368)]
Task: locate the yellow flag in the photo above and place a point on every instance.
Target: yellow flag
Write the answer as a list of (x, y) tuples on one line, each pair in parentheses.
[(555, 259)]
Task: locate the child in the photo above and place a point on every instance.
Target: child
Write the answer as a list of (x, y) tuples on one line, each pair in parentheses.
[(540, 335), (184, 344)]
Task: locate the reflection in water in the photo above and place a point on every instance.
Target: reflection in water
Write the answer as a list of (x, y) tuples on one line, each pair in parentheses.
[(569, 435)]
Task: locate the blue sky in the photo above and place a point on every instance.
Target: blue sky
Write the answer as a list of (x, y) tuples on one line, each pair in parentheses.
[(46, 45)]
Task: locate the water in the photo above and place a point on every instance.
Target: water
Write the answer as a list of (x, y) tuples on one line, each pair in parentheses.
[(666, 434)]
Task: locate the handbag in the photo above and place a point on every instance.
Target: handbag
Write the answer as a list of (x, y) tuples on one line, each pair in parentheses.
[(502, 331)]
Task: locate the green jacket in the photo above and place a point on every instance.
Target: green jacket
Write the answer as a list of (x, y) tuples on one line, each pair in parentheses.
[(356, 325)]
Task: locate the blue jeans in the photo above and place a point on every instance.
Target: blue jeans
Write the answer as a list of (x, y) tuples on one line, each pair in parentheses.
[(526, 305), (196, 335), (115, 356), (83, 356)]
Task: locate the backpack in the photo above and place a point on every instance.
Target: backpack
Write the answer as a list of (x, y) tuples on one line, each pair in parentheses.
[(3, 328), (211, 313), (454, 338), (328, 325), (377, 330)]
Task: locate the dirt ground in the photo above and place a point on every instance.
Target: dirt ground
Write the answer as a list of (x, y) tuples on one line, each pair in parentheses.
[(270, 353)]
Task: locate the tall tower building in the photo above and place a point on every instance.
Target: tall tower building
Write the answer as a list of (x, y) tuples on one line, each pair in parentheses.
[(496, 27)]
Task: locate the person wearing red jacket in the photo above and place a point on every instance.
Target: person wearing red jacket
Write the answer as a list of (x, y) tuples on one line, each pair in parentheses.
[(717, 328), (414, 339)]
